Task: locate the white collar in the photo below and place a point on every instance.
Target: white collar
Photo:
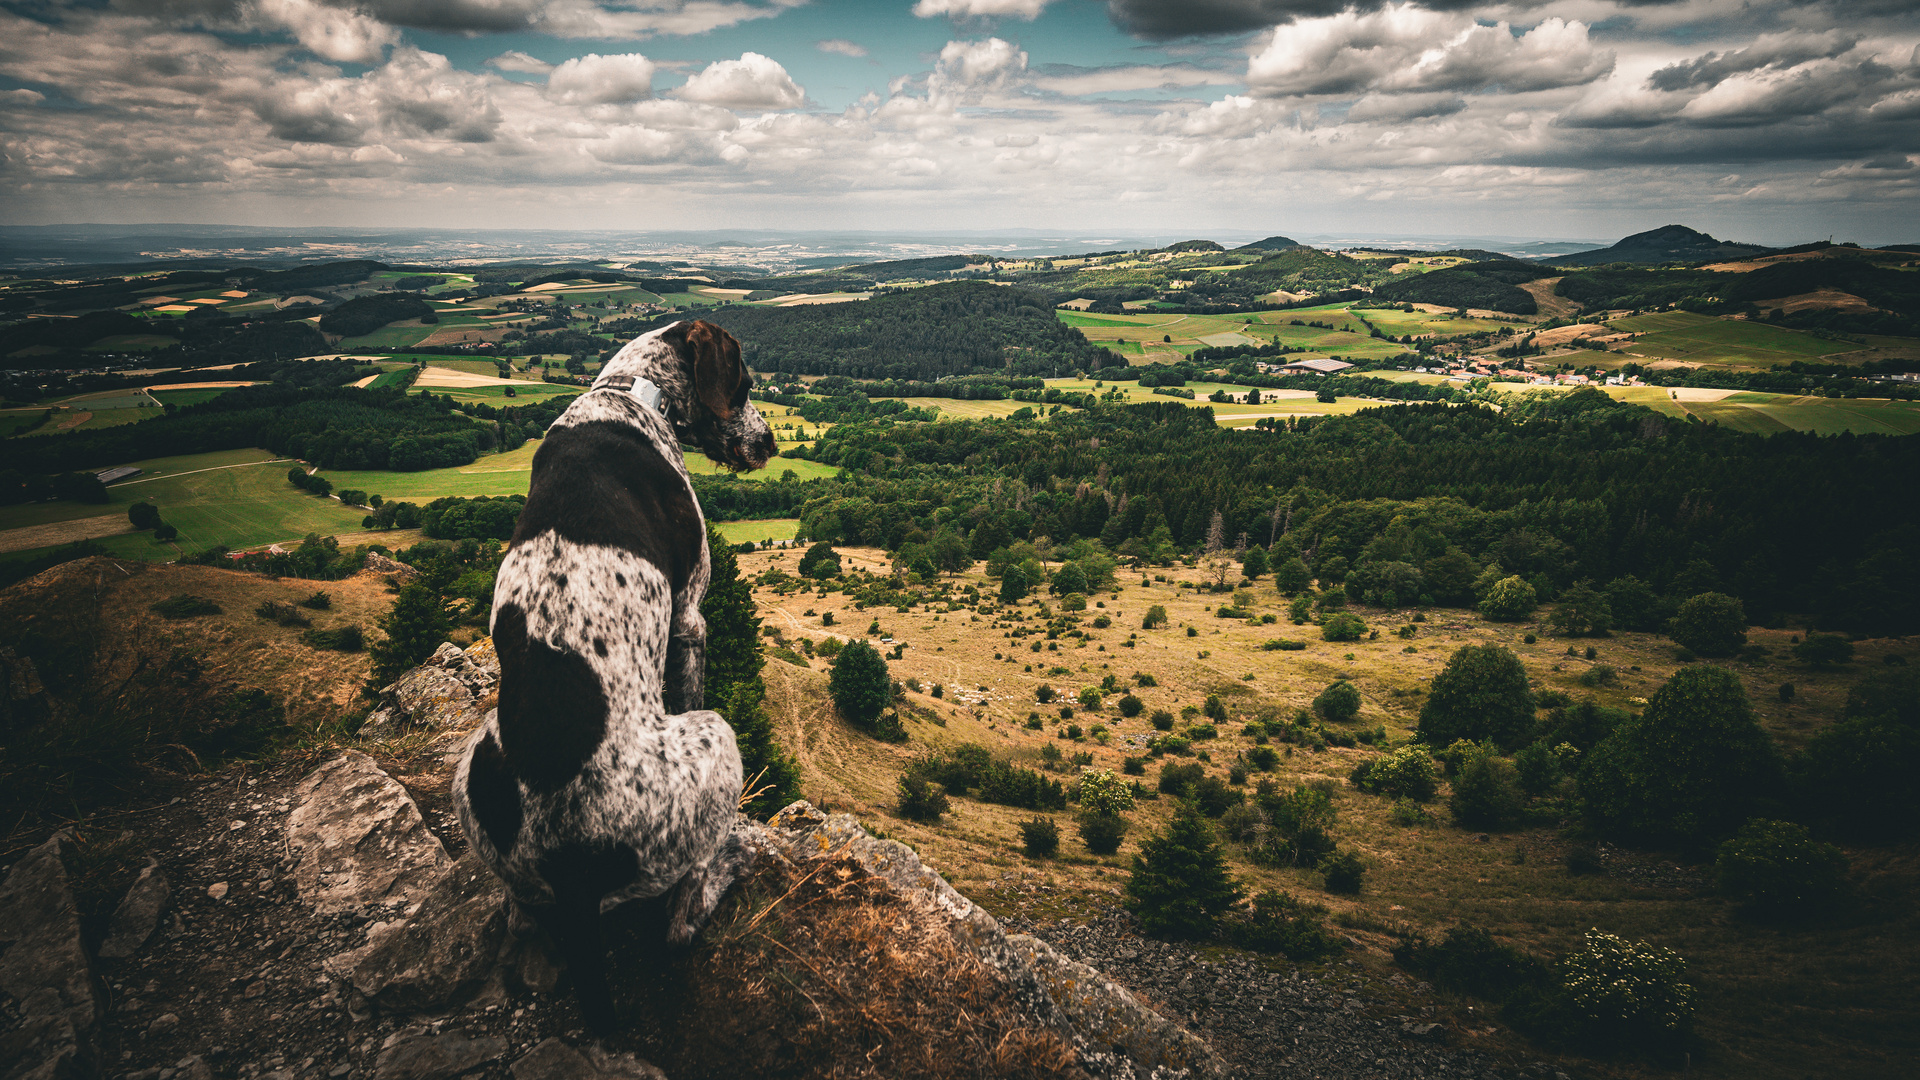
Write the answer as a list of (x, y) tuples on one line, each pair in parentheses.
[(643, 389)]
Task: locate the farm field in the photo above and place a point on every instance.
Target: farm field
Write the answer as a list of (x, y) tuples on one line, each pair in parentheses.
[(699, 465), (1729, 342), (187, 397), (1762, 989), (392, 336), (1766, 414), (739, 532), (493, 474)]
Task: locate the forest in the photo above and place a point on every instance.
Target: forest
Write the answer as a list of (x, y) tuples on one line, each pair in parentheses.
[(1492, 285)]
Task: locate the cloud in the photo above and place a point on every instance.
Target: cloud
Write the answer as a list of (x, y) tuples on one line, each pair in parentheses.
[(979, 65), (602, 80), (329, 32), (1400, 108), (1074, 81), (1769, 51), (22, 96), (964, 9), (751, 82), (840, 46), (1405, 48), (1196, 18), (520, 63)]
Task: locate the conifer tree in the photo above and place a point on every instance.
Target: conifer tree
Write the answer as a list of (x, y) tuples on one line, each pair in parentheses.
[(415, 626), (733, 684), (1180, 884)]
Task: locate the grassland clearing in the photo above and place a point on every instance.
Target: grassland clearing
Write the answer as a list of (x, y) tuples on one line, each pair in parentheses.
[(1729, 342), (756, 530), (1833, 1000), (190, 395)]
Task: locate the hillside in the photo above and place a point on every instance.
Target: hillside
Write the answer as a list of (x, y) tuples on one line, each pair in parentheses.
[(1667, 244), (1492, 285)]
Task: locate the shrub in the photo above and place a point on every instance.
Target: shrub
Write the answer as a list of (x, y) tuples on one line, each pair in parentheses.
[(1156, 617), (1131, 706), (1711, 624), (185, 606), (1162, 720), (1582, 610), (1338, 703), (348, 638), (284, 614), (1179, 884), (1509, 600), (1486, 794), (1857, 777), (1344, 872), (1537, 767), (921, 799), (1482, 693), (1214, 796), (1600, 675), (1469, 960), (1777, 867), (1407, 813), (319, 601), (860, 684), (1343, 626), (1180, 779), (1134, 766), (1823, 650), (1583, 726), (1690, 768), (820, 562), (1626, 988), (1101, 792), (1407, 772), (1044, 694), (144, 516), (1280, 923), (1102, 833), (1786, 691), (1039, 837)]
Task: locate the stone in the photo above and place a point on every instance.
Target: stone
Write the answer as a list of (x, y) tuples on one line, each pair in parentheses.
[(356, 838), (193, 1067), (218, 890), (442, 951), (553, 1059), (428, 1057), (139, 912), (449, 690), (163, 1023), (1104, 1015), (381, 564), (44, 966)]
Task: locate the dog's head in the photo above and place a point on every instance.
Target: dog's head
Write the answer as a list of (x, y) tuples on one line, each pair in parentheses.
[(717, 416)]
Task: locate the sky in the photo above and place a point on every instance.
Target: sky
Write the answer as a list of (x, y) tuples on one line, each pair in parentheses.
[(1760, 120)]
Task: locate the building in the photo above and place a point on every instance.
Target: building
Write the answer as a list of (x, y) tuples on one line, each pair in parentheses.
[(108, 476), (1318, 366)]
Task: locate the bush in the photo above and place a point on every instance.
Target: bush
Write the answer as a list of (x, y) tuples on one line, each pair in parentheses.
[(1101, 792), (921, 799), (1179, 884), (348, 638), (319, 601), (1407, 813), (1280, 923), (284, 614), (1043, 694), (1691, 768), (860, 684), (1156, 618), (1134, 766), (1039, 837), (1857, 777), (1711, 624), (1213, 796), (185, 606), (1777, 867), (820, 562), (1538, 767), (1407, 772), (1344, 872), (1338, 703), (1823, 650), (1102, 833), (1626, 989), (1469, 960), (1131, 706), (1162, 720), (1482, 693), (1583, 726), (1600, 675), (1486, 794), (1509, 600), (1180, 780), (143, 515), (1343, 626)]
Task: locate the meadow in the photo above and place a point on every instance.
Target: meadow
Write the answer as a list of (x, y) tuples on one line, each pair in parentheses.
[(1699, 339)]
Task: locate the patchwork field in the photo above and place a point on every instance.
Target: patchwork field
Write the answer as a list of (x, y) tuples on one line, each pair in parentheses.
[(1730, 342)]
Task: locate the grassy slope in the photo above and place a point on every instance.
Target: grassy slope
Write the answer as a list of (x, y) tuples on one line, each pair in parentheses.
[(1833, 1001)]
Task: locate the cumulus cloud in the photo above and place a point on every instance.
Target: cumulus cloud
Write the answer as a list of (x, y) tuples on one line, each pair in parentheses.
[(1770, 51), (1193, 18), (520, 63), (1075, 81), (330, 32), (962, 9), (602, 80), (978, 65), (1405, 48), (1400, 108), (841, 46), (751, 82)]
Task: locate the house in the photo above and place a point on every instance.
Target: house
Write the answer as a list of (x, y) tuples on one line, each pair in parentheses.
[(108, 476), (1318, 366)]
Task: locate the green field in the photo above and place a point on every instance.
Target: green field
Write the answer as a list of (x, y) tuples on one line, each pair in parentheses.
[(189, 397), (1729, 342), (699, 465), (1661, 321), (393, 377), (1766, 414), (131, 343), (14, 421), (969, 410), (763, 529), (494, 474), (390, 337)]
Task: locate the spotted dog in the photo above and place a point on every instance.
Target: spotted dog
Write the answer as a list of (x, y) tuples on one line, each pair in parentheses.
[(601, 778)]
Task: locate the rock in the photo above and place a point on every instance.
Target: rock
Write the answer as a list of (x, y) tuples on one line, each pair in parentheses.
[(1105, 1015), (44, 966), (138, 914), (448, 690), (381, 564), (356, 838), (163, 1023), (427, 1057), (193, 1067), (553, 1059), (445, 949)]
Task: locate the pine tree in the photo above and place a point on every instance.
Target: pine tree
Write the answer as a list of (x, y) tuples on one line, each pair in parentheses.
[(733, 684), (415, 626), (764, 764), (1180, 884)]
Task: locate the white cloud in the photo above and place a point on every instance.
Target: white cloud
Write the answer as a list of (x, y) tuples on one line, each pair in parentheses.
[(330, 32), (751, 82), (520, 63), (979, 65), (841, 46), (1138, 77), (1406, 48), (1400, 108), (965, 9), (602, 80), (22, 96)]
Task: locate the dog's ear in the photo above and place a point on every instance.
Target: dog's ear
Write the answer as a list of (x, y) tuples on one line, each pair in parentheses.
[(719, 378)]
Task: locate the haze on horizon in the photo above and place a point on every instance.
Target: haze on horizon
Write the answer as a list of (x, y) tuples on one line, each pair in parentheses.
[(1759, 120)]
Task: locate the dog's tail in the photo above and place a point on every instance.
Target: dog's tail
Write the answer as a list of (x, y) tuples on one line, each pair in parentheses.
[(574, 922)]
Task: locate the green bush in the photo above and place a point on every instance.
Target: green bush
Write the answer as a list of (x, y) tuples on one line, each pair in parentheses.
[(1538, 767), (1131, 706), (1043, 693), (283, 614), (1338, 703), (1407, 813), (1179, 885), (1482, 693), (1711, 624), (1777, 867), (1407, 772), (820, 562), (1180, 780), (1278, 922), (1101, 792), (1823, 650), (348, 638), (1600, 675), (1509, 600), (1039, 837), (185, 606), (1162, 720), (860, 684), (1343, 627), (1213, 796), (1626, 989), (921, 800), (1344, 872), (319, 601), (1469, 960), (1102, 833), (1486, 794)]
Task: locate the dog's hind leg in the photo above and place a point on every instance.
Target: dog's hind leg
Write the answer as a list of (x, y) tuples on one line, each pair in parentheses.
[(699, 893), (574, 922), (686, 660)]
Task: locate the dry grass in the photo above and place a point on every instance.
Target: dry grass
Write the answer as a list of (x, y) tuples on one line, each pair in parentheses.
[(1833, 1001)]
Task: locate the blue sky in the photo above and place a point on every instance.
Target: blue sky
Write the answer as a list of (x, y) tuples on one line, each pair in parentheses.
[(1759, 119)]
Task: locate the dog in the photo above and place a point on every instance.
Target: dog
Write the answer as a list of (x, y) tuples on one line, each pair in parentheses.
[(600, 778)]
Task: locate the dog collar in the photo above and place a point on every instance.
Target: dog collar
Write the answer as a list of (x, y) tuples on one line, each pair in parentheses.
[(643, 389)]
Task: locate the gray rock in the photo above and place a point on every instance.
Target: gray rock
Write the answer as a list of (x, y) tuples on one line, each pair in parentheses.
[(193, 1067), (1104, 1015), (356, 838), (553, 1059), (449, 690), (427, 1057), (443, 950), (44, 966), (138, 914), (381, 564)]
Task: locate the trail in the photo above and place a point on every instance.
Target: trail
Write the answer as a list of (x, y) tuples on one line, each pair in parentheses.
[(215, 468)]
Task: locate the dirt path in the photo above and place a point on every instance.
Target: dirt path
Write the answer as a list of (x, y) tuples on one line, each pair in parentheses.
[(64, 532), (811, 732), (216, 468)]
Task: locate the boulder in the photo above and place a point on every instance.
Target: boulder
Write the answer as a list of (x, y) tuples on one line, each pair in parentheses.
[(431, 1057), (44, 967), (381, 564), (137, 915), (450, 690), (553, 1059), (441, 951), (356, 838), (1102, 1017)]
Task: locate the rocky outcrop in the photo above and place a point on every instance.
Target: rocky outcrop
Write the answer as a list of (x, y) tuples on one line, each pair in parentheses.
[(444, 950), (381, 564), (45, 968), (357, 839), (138, 914), (453, 689)]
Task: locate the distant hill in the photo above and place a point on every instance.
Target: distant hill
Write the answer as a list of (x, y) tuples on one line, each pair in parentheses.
[(1193, 245), (1494, 285), (1271, 243), (1669, 243)]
